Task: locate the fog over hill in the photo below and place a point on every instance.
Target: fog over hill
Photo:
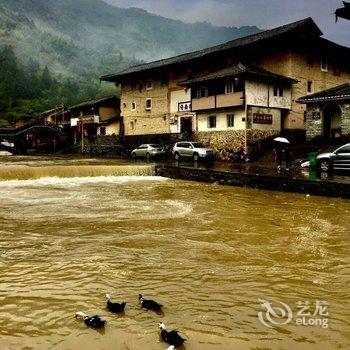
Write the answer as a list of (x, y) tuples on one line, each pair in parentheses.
[(83, 39)]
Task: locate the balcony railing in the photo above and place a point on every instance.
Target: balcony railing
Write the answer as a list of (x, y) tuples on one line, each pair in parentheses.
[(203, 103), (218, 101), (229, 100)]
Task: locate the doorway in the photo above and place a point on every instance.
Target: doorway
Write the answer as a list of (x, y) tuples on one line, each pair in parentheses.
[(186, 125), (331, 120)]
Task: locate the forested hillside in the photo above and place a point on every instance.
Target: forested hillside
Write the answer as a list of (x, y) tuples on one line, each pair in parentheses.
[(53, 51)]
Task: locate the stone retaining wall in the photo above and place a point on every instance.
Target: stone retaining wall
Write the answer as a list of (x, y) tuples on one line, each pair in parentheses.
[(227, 143), (258, 181)]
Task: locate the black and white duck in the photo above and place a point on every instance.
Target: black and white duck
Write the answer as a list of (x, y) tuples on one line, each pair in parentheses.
[(172, 337), (149, 304), (114, 307), (91, 321)]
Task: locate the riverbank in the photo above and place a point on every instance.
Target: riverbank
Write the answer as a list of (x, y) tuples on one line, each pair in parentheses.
[(261, 178)]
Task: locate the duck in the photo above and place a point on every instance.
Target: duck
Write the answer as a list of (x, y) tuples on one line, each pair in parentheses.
[(172, 337), (91, 321), (114, 307), (149, 304)]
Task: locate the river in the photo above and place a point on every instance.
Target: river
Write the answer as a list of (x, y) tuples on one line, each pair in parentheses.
[(72, 230)]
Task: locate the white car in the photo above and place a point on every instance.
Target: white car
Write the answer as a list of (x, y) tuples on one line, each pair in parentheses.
[(191, 149), (148, 150)]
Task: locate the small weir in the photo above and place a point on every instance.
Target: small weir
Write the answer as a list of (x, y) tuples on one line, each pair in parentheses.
[(24, 172)]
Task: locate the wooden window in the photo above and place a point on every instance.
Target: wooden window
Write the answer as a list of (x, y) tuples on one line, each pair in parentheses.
[(212, 121), (149, 84), (324, 65), (229, 88), (310, 87), (230, 120), (234, 86), (133, 106), (278, 91), (148, 104), (202, 92)]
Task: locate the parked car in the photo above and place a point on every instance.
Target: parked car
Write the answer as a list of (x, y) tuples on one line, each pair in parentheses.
[(338, 160), (194, 150), (148, 151)]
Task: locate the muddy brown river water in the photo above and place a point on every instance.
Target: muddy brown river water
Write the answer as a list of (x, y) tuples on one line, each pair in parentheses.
[(72, 230)]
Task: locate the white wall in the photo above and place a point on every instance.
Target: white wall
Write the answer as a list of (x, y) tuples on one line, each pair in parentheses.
[(221, 120), (259, 93), (178, 96)]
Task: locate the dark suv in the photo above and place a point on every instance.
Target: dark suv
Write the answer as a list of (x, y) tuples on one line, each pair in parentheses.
[(338, 160)]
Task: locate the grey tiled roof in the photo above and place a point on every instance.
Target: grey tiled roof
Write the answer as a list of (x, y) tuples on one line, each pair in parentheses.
[(340, 92), (92, 102), (303, 27), (236, 70)]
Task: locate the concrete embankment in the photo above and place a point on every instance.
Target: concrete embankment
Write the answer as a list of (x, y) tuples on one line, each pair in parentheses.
[(258, 181)]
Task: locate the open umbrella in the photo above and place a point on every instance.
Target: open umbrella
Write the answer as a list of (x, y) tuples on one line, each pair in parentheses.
[(281, 140)]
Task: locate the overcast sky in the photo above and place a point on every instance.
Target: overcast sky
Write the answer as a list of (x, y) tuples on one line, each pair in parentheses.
[(262, 13)]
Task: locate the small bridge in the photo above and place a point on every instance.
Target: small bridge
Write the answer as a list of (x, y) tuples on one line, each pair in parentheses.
[(35, 136)]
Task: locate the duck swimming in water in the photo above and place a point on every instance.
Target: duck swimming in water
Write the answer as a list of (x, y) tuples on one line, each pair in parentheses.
[(172, 337), (149, 304), (91, 321), (114, 307)]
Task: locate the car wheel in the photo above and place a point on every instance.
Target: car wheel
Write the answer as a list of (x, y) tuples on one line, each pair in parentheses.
[(325, 165), (134, 156), (177, 156), (195, 157), (148, 156)]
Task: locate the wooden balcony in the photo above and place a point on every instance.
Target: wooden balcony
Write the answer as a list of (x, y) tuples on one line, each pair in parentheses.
[(199, 104), (218, 101), (230, 100)]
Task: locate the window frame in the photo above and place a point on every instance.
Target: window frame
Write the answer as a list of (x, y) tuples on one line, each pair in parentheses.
[(148, 99), (310, 86), (230, 117), (230, 84), (199, 91), (324, 65), (212, 118), (133, 106), (149, 87)]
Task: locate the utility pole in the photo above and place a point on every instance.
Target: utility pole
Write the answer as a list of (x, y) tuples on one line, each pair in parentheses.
[(82, 136)]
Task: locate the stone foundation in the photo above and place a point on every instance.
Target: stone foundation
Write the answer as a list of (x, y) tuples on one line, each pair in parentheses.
[(345, 128), (227, 143), (314, 127)]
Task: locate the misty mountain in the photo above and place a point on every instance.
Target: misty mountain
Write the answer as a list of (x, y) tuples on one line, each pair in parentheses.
[(52, 52), (78, 37)]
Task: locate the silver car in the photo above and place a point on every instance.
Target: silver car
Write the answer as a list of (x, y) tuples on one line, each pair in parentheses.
[(338, 160), (194, 150), (148, 150)]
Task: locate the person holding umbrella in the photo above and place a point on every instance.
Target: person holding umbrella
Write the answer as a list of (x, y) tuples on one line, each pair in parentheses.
[(281, 149)]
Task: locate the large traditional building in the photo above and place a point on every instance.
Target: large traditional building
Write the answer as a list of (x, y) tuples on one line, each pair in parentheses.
[(231, 89)]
